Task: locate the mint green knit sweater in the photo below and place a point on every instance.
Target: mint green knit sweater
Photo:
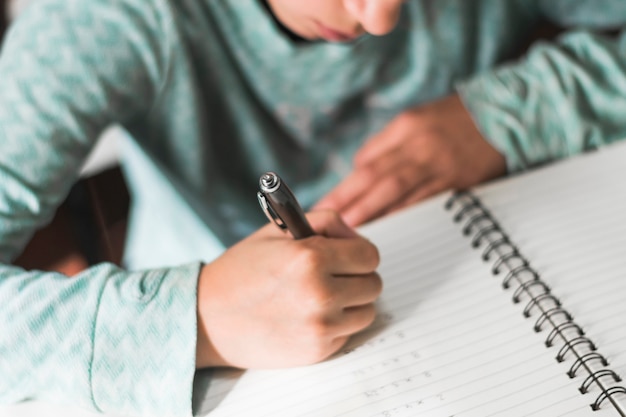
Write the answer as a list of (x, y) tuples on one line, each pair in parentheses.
[(212, 94)]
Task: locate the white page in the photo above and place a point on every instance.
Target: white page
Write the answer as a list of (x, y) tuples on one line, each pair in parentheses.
[(570, 221), (449, 342)]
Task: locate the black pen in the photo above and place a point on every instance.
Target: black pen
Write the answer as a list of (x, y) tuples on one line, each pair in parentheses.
[(280, 206)]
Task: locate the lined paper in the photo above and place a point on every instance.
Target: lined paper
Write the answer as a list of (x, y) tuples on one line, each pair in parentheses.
[(448, 341), (573, 229)]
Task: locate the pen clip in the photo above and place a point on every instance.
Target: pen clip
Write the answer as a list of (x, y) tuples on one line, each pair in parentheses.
[(269, 211)]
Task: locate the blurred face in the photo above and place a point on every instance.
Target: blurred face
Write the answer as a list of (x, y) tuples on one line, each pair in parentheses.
[(337, 20)]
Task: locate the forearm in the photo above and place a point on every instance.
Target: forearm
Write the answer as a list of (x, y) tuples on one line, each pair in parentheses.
[(106, 339), (559, 100), (62, 81)]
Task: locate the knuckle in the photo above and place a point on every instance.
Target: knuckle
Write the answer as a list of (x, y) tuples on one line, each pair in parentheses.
[(317, 352), (318, 329), (397, 183), (317, 337), (378, 284), (318, 301), (310, 257), (373, 255), (369, 174), (334, 217), (369, 315), (316, 298), (328, 217), (372, 312)]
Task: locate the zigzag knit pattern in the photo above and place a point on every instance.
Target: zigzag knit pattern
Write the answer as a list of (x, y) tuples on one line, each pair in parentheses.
[(107, 340)]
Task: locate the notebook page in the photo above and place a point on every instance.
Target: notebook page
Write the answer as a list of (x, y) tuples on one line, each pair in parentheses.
[(569, 220), (447, 342)]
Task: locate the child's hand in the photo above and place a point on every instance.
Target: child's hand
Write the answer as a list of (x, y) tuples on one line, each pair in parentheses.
[(422, 151), (272, 301)]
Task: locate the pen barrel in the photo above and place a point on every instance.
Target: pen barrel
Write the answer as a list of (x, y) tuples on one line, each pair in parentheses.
[(286, 206)]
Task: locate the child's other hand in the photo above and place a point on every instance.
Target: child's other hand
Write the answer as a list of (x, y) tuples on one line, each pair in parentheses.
[(422, 151), (272, 301)]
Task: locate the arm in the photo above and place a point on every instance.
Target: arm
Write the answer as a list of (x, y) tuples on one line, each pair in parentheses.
[(129, 343), (560, 99), (563, 97), (107, 339)]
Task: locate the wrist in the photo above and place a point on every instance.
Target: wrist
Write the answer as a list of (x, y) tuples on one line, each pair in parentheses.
[(206, 354)]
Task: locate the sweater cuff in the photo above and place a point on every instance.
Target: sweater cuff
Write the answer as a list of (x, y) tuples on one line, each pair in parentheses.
[(515, 115), (145, 343)]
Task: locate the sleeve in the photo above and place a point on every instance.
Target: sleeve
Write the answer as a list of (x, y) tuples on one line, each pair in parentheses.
[(108, 340), (561, 98)]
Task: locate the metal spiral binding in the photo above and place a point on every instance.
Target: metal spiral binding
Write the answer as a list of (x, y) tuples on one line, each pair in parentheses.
[(479, 223)]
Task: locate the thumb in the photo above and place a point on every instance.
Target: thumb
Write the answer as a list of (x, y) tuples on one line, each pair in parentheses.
[(330, 224)]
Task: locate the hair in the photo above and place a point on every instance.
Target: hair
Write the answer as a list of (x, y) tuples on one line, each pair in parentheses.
[(4, 18)]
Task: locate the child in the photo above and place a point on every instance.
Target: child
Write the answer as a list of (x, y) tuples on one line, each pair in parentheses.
[(212, 94)]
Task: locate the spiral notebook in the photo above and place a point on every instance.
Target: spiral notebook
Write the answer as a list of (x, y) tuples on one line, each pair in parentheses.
[(509, 300)]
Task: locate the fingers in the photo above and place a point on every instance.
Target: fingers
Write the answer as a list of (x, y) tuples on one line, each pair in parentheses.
[(358, 290), (360, 182), (345, 305), (427, 189), (355, 319), (371, 160), (329, 223), (331, 256), (352, 320), (345, 192), (388, 191), (336, 249), (374, 189), (343, 250), (385, 141)]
